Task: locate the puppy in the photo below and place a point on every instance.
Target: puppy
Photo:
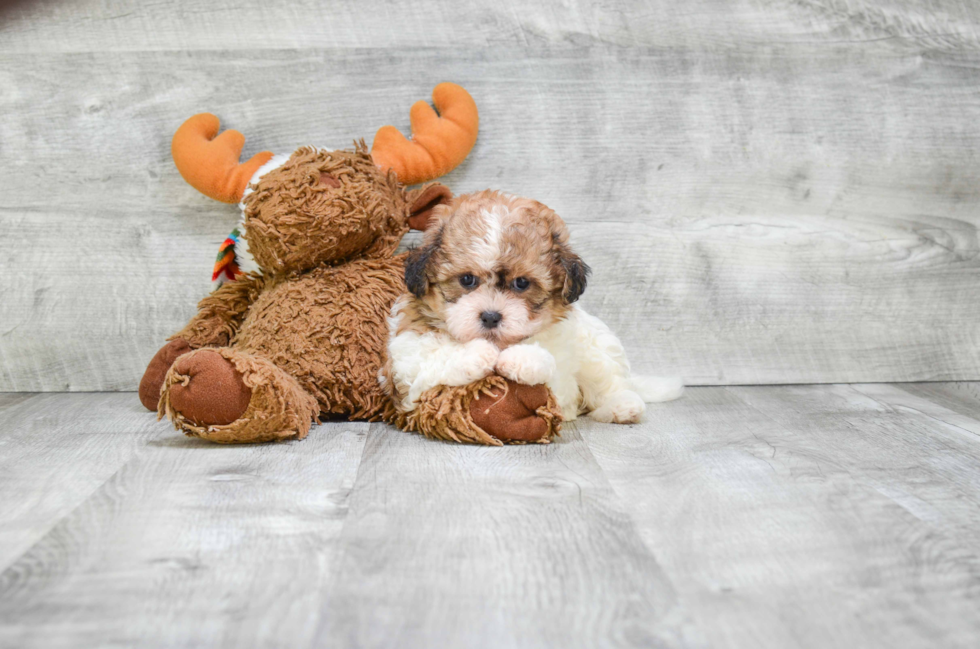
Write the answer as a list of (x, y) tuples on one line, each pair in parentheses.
[(492, 289)]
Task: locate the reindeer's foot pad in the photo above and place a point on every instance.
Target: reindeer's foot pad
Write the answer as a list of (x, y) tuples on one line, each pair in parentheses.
[(156, 371), (209, 390), (226, 396), (492, 411)]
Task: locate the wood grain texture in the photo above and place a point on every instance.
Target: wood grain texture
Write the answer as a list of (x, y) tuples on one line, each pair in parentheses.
[(456, 546), (775, 192), (127, 25), (787, 516), (183, 544), (807, 516), (49, 441), (962, 398), (939, 402), (804, 212)]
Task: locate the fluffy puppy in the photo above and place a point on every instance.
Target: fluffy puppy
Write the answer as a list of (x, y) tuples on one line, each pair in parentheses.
[(492, 289)]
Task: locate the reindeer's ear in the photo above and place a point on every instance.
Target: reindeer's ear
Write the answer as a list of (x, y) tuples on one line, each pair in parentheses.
[(417, 266), (424, 201), (575, 271)]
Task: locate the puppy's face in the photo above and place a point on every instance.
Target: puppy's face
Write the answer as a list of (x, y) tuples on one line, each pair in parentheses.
[(494, 266)]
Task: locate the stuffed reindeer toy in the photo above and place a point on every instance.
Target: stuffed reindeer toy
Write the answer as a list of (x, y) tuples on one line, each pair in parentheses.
[(298, 330)]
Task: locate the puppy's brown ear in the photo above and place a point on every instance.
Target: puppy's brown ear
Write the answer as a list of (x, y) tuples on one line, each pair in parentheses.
[(417, 266), (575, 270), (424, 202)]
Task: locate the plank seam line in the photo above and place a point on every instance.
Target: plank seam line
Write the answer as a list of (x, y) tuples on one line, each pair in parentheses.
[(916, 410), (12, 407), (4, 568), (965, 411)]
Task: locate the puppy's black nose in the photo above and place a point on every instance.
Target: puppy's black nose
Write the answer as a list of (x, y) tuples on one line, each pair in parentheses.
[(490, 319)]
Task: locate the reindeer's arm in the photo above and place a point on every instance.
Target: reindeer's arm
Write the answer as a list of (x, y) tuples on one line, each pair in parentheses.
[(218, 318), (221, 313)]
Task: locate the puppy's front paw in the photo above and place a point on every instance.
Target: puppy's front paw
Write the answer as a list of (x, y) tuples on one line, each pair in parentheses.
[(527, 364), (623, 407), (474, 363)]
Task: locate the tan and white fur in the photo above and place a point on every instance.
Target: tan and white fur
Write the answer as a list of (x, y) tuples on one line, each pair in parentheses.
[(492, 289)]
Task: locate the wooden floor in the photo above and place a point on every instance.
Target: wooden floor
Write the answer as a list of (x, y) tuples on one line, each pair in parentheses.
[(810, 516)]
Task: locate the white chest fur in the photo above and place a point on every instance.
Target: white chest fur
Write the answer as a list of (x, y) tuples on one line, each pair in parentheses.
[(590, 361)]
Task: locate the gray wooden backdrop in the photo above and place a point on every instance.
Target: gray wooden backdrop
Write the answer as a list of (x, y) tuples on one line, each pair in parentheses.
[(769, 192)]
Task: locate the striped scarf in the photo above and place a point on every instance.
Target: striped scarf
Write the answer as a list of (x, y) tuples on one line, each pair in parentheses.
[(226, 266)]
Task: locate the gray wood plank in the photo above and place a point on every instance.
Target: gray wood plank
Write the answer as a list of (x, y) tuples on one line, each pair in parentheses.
[(736, 517), (186, 544), (806, 516), (456, 546), (252, 24), (960, 397), (8, 399), (913, 456), (938, 401), (109, 300), (795, 213), (56, 450)]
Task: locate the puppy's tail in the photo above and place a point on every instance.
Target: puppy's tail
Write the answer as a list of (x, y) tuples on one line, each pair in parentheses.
[(654, 389)]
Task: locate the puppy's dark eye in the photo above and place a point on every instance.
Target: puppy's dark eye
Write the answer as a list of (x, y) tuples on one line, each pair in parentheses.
[(520, 284), (468, 281)]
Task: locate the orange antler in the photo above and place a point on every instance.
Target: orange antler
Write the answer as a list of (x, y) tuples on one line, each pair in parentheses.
[(209, 163), (439, 142)]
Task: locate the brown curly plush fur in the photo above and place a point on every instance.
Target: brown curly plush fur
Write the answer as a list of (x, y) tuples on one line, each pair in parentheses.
[(444, 413), (328, 328), (296, 219), (220, 314), (309, 335)]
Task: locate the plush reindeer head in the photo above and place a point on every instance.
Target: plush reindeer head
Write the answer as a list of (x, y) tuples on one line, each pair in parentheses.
[(315, 206)]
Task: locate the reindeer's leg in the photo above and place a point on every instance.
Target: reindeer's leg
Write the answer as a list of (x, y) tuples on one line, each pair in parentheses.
[(227, 396), (491, 411), (152, 381), (218, 318)]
